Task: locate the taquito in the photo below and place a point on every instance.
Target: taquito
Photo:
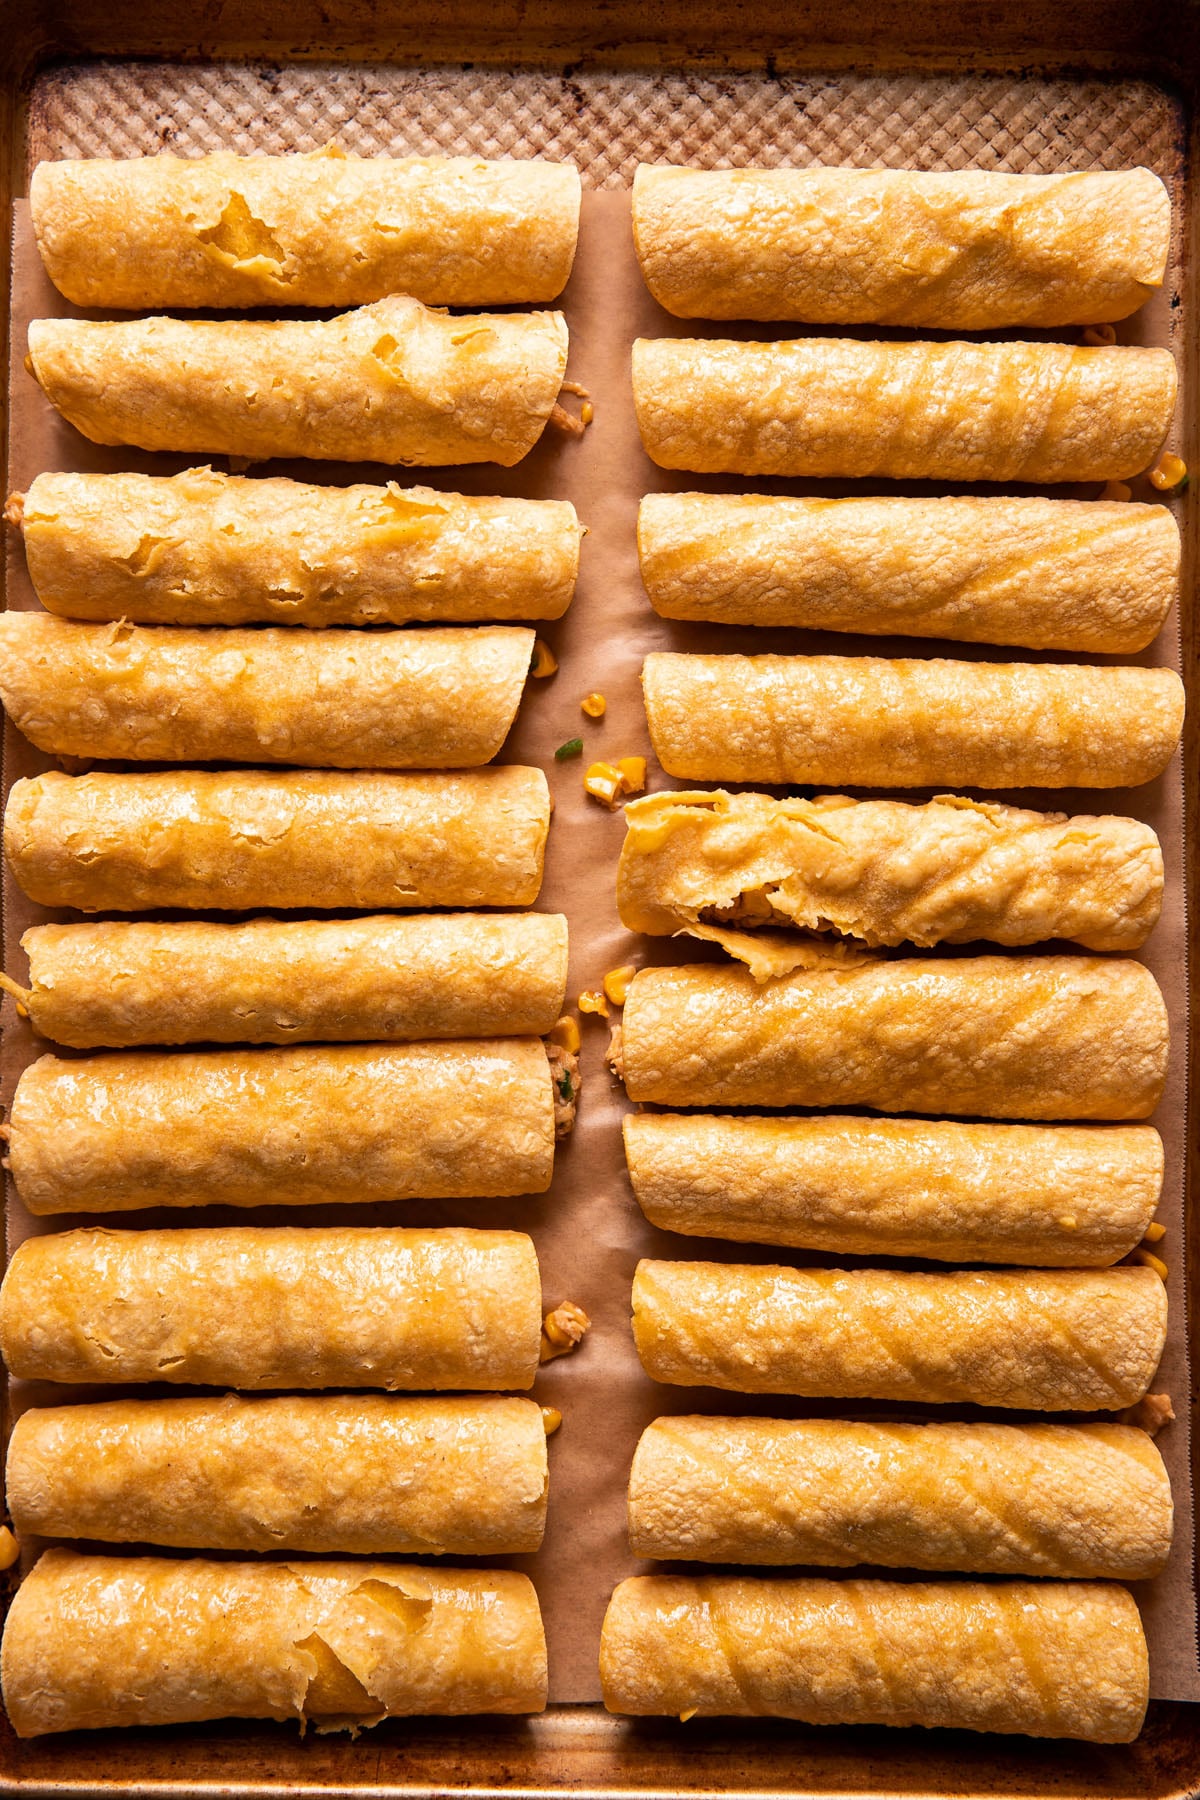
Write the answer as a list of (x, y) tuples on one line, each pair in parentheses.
[(969, 250), (392, 382), (230, 840), (1085, 575), (310, 1125), (423, 699), (275, 1307), (203, 548), (1090, 1501), (96, 1641), (1050, 1196), (1044, 1340), (274, 981), (1057, 1660), (874, 721), (324, 229), (339, 1474), (1045, 1037), (912, 411), (950, 871)]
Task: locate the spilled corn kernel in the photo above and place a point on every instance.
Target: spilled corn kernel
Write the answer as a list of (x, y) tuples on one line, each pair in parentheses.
[(603, 782), (1152, 1262), (562, 1329), (593, 1001), (1169, 473), (551, 1420), (587, 412), (1154, 1233), (565, 1033), (610, 782), (10, 1549), (1116, 490), (593, 705), (617, 981), (544, 660)]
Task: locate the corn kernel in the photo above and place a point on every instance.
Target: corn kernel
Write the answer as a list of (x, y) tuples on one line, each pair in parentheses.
[(1169, 472), (633, 773), (603, 781), (9, 1548), (587, 412), (617, 981), (1116, 490), (1152, 1262), (593, 1001), (593, 705), (544, 660), (1154, 1233), (562, 1330), (1100, 334), (565, 1033), (551, 1420)]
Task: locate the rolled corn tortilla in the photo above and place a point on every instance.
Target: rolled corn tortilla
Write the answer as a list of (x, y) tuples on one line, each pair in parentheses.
[(1083, 1501), (392, 382), (1044, 1340), (911, 411), (968, 250), (319, 230), (1045, 1037), (1045, 1659), (203, 548), (952, 870), (229, 840), (1052, 1196), (259, 1307), (275, 981), (874, 721), (305, 1126), (337, 1474), (1047, 574), (95, 1641), (423, 699)]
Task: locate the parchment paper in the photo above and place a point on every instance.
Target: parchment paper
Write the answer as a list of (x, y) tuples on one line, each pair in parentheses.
[(588, 1231)]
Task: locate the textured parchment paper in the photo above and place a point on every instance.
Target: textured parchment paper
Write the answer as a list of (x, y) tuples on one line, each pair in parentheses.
[(588, 1231)]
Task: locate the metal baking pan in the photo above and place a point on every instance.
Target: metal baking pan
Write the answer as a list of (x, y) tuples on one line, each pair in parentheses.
[(584, 81)]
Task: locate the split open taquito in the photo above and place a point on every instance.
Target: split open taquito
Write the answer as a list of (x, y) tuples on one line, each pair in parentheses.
[(392, 382), (95, 1641), (1034, 1037), (1044, 1340), (260, 1307), (423, 699), (874, 721), (968, 250), (303, 1126), (1051, 1196), (319, 230), (1089, 1501), (212, 840), (1047, 574), (952, 870), (339, 1474), (202, 548), (943, 412), (273, 981), (1062, 1659)]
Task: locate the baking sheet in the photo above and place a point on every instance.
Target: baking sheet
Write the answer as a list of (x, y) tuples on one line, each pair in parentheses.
[(588, 1231)]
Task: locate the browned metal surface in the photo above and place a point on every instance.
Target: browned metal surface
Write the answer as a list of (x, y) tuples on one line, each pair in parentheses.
[(579, 1750)]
